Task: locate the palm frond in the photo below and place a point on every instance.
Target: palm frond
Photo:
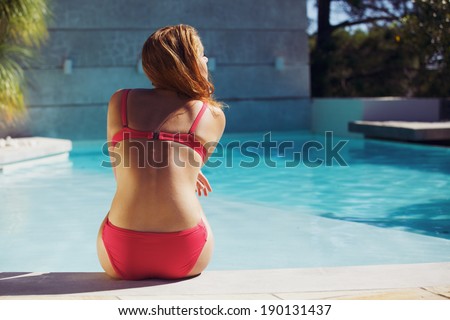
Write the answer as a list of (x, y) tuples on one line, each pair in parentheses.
[(26, 20), (23, 28)]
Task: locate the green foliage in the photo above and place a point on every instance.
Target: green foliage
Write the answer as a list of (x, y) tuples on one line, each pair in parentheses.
[(426, 34), (23, 28), (407, 57), (368, 64)]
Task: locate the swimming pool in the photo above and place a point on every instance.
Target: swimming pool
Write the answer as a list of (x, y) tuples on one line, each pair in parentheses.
[(390, 205)]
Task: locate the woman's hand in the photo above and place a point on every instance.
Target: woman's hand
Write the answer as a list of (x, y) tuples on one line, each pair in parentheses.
[(202, 185)]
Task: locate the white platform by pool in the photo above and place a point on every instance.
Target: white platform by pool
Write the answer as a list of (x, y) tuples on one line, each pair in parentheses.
[(403, 130), (32, 151)]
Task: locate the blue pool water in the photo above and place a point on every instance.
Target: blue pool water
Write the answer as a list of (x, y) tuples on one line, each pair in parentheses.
[(391, 204)]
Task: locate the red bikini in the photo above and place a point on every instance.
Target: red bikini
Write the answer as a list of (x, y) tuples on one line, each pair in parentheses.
[(138, 255), (188, 139)]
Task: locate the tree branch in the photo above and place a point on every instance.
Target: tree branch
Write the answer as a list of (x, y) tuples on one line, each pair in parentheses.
[(349, 23)]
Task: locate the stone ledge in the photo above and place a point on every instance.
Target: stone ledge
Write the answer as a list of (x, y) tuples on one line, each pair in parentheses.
[(32, 151)]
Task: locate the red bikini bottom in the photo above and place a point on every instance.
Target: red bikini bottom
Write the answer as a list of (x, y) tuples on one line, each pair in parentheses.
[(138, 255)]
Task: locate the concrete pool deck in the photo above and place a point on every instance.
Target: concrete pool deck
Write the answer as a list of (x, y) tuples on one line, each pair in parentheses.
[(429, 281)]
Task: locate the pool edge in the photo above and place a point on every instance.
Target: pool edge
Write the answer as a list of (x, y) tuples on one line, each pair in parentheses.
[(393, 282)]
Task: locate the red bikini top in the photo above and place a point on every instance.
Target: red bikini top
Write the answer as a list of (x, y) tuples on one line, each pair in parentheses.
[(188, 139)]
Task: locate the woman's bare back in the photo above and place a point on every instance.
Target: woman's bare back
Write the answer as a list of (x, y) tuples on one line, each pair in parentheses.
[(156, 180)]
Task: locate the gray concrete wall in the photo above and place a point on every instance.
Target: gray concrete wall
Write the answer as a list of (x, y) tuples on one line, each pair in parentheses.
[(103, 39), (334, 114)]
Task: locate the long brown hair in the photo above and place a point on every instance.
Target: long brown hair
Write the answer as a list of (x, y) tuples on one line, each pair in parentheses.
[(170, 59)]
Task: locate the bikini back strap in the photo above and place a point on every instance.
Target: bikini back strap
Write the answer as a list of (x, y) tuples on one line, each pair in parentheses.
[(197, 118), (123, 107)]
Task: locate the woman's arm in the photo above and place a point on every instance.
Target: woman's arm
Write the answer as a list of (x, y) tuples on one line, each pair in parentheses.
[(113, 123), (214, 129)]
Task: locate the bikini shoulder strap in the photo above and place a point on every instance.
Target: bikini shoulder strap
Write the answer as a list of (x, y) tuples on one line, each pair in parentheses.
[(123, 107), (198, 118)]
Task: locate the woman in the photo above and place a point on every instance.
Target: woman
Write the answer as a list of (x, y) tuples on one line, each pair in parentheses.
[(158, 140)]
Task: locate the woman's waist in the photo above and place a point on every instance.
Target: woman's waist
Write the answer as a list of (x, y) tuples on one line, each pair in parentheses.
[(152, 213)]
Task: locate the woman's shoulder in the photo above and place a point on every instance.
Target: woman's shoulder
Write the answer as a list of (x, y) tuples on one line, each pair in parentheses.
[(212, 122), (217, 113), (117, 94)]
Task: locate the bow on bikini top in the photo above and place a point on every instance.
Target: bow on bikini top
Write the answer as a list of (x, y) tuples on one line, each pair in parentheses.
[(187, 139)]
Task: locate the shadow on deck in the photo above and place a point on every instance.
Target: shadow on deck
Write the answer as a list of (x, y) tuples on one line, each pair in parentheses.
[(67, 283)]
